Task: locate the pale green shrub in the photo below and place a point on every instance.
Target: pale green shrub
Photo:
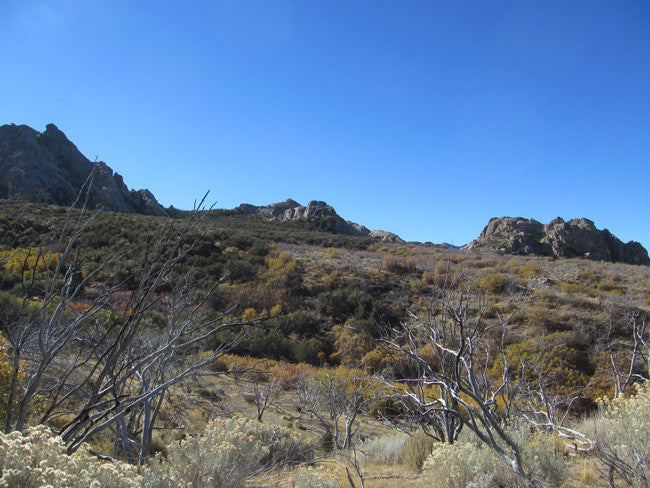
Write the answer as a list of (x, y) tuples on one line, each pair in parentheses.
[(229, 452), (383, 450), (37, 458), (471, 463), (461, 465), (621, 432)]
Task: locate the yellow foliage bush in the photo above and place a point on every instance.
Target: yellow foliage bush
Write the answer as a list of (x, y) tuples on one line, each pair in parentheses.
[(529, 270), (29, 261), (494, 283), (249, 314)]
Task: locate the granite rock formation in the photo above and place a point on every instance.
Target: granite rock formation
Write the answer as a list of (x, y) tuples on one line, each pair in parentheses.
[(46, 167), (574, 238), (320, 213)]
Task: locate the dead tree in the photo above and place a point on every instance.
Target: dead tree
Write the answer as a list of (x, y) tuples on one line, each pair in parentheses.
[(334, 398), (449, 352), (638, 368), (104, 367), (266, 392)]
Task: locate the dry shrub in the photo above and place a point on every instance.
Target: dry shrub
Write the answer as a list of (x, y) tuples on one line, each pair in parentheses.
[(483, 262), (540, 314), (314, 477), (386, 449), (442, 275), (416, 450), (610, 286), (591, 276), (398, 265), (572, 288), (621, 432), (332, 252)]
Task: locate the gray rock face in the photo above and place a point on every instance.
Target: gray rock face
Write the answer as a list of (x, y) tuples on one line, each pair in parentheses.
[(575, 238), (46, 167), (320, 213), (385, 236)]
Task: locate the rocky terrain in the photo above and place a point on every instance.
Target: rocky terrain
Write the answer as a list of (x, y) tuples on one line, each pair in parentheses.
[(576, 238), (46, 167), (318, 212)]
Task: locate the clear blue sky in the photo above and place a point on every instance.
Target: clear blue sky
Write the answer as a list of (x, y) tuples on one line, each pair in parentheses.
[(424, 118)]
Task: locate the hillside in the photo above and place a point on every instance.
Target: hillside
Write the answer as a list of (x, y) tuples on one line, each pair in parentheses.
[(300, 312), (48, 168), (336, 279), (318, 212)]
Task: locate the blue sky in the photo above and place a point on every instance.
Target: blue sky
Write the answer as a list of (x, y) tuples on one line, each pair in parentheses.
[(424, 118)]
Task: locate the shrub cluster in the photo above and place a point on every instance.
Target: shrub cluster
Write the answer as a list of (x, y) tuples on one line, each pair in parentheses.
[(226, 455), (470, 462), (38, 458), (621, 432), (230, 451)]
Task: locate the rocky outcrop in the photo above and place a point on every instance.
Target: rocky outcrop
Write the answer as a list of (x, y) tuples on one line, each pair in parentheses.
[(275, 210), (317, 212), (383, 235), (575, 238), (46, 167)]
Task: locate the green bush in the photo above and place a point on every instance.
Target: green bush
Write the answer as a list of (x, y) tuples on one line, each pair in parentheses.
[(343, 303)]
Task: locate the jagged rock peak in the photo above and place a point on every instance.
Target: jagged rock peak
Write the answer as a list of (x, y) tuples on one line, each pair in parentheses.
[(46, 167), (558, 238), (317, 212)]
